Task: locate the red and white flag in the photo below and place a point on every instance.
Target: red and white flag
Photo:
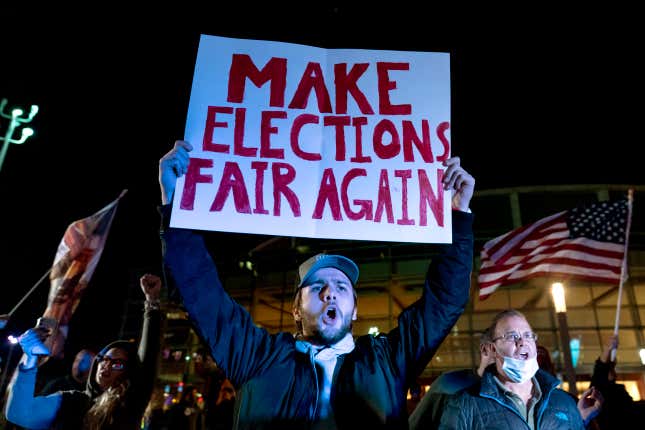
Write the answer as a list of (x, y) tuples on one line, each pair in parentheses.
[(586, 243), (76, 259)]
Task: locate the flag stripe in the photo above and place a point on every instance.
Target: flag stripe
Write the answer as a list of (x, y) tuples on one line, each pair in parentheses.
[(494, 246), (552, 269), (584, 276), (583, 244), (572, 251), (516, 270), (513, 241)]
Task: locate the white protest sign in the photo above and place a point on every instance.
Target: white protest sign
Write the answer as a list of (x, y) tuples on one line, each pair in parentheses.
[(294, 140)]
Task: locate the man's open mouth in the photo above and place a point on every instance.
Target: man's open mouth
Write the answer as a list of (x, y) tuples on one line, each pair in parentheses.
[(330, 314)]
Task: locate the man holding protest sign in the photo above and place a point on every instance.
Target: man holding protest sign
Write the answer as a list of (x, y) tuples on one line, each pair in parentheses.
[(322, 377)]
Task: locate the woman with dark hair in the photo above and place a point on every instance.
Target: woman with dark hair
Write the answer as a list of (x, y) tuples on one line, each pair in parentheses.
[(118, 387)]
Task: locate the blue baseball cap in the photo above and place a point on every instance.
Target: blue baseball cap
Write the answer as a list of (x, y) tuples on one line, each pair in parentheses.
[(321, 261)]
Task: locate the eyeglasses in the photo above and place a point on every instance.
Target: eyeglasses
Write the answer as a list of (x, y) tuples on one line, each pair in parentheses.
[(513, 336), (114, 363)]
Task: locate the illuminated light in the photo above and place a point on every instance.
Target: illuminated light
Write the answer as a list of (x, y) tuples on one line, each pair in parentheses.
[(176, 316), (574, 344), (16, 121), (641, 352), (187, 358), (373, 331), (12, 339), (557, 291)]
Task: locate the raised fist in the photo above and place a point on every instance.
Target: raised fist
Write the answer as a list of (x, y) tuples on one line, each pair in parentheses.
[(151, 286)]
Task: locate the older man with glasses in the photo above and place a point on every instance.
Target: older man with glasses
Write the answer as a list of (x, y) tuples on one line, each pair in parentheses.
[(514, 393)]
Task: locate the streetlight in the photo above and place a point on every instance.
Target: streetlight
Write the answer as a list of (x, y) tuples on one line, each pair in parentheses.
[(557, 291), (15, 119)]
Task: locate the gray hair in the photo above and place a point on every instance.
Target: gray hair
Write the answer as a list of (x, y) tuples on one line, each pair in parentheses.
[(489, 333)]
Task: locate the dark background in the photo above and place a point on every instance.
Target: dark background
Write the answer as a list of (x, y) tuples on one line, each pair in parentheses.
[(539, 97)]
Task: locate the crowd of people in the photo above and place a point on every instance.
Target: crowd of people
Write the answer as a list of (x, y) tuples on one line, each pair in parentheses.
[(323, 376), (210, 409)]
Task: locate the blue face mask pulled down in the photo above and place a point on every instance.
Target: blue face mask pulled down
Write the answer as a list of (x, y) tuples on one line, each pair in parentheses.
[(520, 370)]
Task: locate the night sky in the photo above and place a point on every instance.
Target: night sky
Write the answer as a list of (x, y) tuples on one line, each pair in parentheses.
[(550, 97)]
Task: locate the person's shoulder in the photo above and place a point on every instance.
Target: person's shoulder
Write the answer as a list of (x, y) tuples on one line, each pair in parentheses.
[(620, 391), (460, 375), (559, 395), (454, 382), (361, 342), (464, 399)]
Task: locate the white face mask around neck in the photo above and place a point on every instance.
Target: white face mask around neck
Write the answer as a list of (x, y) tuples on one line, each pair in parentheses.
[(520, 370)]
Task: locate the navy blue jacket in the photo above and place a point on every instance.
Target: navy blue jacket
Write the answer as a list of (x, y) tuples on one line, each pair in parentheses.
[(278, 385), (484, 406)]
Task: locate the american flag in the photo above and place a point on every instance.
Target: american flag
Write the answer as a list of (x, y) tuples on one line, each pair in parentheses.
[(586, 243)]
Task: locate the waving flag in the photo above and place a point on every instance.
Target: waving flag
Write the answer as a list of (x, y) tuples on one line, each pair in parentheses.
[(587, 243), (76, 259)]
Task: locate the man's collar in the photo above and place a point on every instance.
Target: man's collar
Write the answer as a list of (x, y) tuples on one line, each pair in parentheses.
[(343, 346), (544, 380)]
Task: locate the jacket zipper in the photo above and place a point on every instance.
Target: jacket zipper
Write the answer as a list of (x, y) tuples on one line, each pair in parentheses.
[(312, 416), (543, 407)]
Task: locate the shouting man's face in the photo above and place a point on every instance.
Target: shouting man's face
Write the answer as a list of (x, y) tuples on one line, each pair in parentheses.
[(326, 307), (514, 338)]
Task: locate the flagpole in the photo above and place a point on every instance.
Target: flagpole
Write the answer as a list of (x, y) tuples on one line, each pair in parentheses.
[(5, 318), (623, 268)]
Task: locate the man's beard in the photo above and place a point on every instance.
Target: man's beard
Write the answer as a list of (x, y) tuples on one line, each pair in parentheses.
[(326, 335)]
